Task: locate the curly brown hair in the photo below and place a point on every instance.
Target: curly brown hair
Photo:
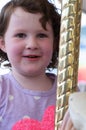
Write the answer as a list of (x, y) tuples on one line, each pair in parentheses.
[(49, 13)]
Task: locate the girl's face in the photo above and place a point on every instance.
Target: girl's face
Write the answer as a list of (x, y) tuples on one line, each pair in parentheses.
[(29, 47)]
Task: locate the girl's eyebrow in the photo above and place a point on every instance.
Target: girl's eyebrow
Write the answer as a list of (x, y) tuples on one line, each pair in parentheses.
[(26, 30), (19, 30)]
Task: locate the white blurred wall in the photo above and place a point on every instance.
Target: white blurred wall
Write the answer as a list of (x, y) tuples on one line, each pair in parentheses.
[(3, 2)]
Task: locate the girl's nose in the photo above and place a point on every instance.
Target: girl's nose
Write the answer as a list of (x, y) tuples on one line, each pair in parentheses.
[(31, 43)]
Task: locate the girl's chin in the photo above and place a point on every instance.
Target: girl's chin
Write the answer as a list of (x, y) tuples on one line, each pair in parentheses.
[(32, 72)]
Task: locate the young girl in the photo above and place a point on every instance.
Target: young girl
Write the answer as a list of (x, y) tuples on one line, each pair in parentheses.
[(29, 39)]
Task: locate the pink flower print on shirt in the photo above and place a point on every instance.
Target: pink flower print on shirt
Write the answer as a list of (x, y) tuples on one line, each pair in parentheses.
[(47, 122)]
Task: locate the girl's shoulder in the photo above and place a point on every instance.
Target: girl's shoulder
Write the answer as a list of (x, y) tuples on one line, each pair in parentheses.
[(4, 77), (4, 83), (5, 80)]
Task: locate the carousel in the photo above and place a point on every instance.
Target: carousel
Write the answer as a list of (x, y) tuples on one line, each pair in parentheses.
[(67, 95)]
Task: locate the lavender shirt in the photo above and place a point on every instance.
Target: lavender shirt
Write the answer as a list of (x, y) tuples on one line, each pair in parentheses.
[(17, 103)]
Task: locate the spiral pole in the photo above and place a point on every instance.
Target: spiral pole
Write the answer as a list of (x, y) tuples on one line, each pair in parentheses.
[(68, 56)]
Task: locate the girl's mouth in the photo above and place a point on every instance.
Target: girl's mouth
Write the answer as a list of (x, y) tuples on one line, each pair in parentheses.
[(32, 57)]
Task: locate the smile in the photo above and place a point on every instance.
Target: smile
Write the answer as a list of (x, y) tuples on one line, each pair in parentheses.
[(32, 56)]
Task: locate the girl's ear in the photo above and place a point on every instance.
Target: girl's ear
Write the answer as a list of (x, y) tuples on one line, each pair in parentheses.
[(2, 44)]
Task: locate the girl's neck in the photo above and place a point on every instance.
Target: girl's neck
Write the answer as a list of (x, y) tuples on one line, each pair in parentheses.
[(38, 83)]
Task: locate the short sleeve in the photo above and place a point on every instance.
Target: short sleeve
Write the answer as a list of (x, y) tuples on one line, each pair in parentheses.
[(0, 84)]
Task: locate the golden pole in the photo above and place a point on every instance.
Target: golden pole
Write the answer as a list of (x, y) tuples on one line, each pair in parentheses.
[(68, 56)]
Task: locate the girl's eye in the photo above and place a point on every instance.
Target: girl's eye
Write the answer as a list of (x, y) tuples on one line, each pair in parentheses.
[(42, 35), (21, 35)]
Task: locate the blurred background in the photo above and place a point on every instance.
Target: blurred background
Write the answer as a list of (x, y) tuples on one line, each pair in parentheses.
[(82, 55)]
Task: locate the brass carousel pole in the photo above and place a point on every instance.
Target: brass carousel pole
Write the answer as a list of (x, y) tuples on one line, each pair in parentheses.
[(68, 56)]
